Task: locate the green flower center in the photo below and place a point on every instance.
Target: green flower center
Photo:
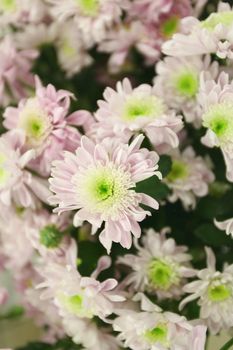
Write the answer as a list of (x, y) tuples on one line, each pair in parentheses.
[(219, 292), (224, 18), (50, 236), (74, 305), (186, 84), (162, 275), (157, 334), (219, 118), (8, 5), (137, 107), (178, 171), (34, 121), (89, 7), (170, 26), (104, 189)]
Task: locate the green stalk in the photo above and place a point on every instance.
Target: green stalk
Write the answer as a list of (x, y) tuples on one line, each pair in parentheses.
[(228, 345)]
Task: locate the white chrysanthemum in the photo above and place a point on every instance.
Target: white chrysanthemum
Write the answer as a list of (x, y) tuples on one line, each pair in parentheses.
[(189, 177), (152, 329), (214, 291), (159, 267), (215, 99), (212, 35), (177, 82)]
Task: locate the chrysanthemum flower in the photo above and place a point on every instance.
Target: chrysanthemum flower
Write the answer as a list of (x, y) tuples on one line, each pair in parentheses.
[(212, 35), (93, 17), (43, 119), (160, 266), (189, 177), (127, 111), (77, 296), (178, 80), (17, 185), (226, 225), (214, 291), (215, 98), (152, 329), (15, 76), (99, 181)]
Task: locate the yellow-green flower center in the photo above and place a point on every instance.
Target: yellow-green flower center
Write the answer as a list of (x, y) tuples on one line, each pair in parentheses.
[(35, 122), (170, 26), (157, 334), (8, 5), (219, 292), (186, 83), (104, 189), (74, 304), (147, 106), (89, 7), (162, 274), (50, 236), (225, 18), (219, 118), (179, 171)]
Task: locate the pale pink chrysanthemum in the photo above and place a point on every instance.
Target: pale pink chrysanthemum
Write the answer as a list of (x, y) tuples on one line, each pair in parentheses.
[(215, 99), (48, 130), (189, 177), (214, 291), (212, 35), (78, 296), (99, 181), (17, 185), (15, 77), (127, 111), (152, 329), (93, 17), (160, 266), (19, 12), (178, 80)]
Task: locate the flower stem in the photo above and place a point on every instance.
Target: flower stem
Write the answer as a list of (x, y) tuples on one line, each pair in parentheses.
[(228, 345)]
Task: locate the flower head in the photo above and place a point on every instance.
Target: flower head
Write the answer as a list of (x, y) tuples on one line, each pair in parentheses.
[(127, 111), (43, 119), (153, 329), (99, 181), (212, 35), (214, 291), (160, 266), (189, 177)]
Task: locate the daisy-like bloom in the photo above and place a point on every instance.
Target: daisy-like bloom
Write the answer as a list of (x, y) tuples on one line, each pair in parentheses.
[(226, 225), (127, 111), (189, 177), (17, 185), (78, 296), (48, 130), (17, 12), (100, 180), (86, 333), (92, 17), (178, 81), (160, 266), (153, 329), (212, 35), (214, 291), (15, 76), (215, 99)]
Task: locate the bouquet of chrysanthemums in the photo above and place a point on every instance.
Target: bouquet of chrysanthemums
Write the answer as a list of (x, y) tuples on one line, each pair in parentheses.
[(116, 172)]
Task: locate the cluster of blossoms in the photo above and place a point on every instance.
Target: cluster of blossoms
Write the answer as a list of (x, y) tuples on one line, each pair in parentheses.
[(108, 202)]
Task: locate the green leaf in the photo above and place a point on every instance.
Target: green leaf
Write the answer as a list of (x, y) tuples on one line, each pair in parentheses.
[(212, 236), (165, 165), (15, 312), (153, 187), (228, 345)]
